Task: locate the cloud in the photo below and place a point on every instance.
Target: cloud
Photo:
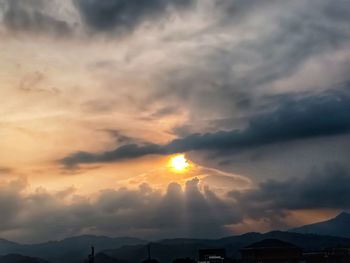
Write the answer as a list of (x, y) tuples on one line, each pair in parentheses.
[(125, 15), (144, 211), (124, 152), (219, 181), (120, 137), (10, 201), (193, 210), (261, 48), (294, 118), (325, 188), (6, 170), (229, 59), (29, 16)]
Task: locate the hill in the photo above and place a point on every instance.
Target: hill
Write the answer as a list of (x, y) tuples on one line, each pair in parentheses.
[(14, 258), (337, 226), (131, 250), (167, 250), (74, 249)]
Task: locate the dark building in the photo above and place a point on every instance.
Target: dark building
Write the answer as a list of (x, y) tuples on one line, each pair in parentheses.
[(338, 255), (212, 255), (334, 255), (315, 257), (271, 251)]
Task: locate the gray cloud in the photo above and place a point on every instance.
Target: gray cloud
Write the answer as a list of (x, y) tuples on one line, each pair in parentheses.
[(10, 201), (326, 188), (294, 118), (225, 81), (29, 16), (124, 152), (228, 77), (120, 137), (141, 212), (313, 116), (147, 212), (124, 15)]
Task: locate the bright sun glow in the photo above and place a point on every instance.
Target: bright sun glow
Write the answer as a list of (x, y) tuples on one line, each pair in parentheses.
[(179, 163)]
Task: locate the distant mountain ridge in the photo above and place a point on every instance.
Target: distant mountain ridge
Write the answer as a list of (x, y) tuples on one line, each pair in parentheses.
[(167, 250), (73, 249), (15, 258), (337, 226), (133, 250)]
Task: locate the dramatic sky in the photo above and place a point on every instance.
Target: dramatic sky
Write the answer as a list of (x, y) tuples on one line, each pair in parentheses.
[(98, 96)]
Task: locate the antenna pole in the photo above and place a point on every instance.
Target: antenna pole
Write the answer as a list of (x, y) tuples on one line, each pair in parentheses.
[(149, 251)]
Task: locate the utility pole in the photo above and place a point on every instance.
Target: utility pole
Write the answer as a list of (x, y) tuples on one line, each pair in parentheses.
[(92, 255), (149, 251)]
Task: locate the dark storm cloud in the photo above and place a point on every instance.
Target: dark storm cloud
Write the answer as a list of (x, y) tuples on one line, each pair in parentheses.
[(147, 212), (141, 212), (124, 152), (326, 188), (229, 77), (293, 118), (124, 15), (29, 16)]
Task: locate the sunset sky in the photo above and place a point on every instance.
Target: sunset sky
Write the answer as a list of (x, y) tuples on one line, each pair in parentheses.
[(97, 98)]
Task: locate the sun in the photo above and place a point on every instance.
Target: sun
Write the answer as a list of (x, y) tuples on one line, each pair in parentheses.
[(179, 163)]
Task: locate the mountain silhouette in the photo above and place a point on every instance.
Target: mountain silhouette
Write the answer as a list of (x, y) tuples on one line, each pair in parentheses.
[(6, 246), (130, 250), (337, 226), (74, 249), (166, 251), (15, 258)]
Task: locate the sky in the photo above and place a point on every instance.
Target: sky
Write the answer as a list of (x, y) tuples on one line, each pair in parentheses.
[(99, 96)]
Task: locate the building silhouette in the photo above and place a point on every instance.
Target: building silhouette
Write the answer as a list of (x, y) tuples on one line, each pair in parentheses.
[(333, 255), (212, 255), (271, 251)]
